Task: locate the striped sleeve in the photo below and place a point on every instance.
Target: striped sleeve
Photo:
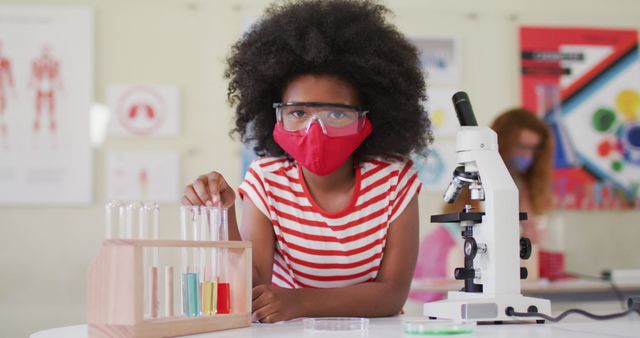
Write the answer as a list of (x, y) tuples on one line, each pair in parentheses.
[(407, 187), (253, 188)]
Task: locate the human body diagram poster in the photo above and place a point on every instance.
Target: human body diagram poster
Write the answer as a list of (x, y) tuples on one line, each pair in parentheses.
[(586, 84), (46, 89)]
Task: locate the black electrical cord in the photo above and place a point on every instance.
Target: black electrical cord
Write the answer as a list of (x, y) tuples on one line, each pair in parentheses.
[(613, 285), (510, 312)]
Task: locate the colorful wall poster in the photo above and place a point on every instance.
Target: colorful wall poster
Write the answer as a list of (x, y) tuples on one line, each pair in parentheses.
[(143, 176), (435, 167), (444, 121), (585, 83), (46, 91), (144, 110)]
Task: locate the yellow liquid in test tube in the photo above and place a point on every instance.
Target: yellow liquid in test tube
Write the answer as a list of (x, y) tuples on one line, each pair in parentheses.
[(209, 298)]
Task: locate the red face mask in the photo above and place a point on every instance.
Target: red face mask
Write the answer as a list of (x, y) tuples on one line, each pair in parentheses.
[(319, 153)]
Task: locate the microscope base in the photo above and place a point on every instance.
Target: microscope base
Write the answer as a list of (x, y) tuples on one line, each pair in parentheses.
[(480, 308)]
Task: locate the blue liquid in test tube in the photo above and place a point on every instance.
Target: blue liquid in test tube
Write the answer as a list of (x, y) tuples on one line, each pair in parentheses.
[(192, 297)]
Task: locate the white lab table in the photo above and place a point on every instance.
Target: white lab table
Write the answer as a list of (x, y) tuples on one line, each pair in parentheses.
[(537, 287), (570, 327)]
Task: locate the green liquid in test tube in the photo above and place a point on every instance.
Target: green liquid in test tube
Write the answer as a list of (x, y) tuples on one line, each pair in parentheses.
[(190, 276), (193, 293)]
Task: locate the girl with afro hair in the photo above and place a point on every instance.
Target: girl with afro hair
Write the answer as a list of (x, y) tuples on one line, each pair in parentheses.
[(330, 96)]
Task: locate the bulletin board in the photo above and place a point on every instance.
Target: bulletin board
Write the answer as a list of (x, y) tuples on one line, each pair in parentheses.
[(585, 83)]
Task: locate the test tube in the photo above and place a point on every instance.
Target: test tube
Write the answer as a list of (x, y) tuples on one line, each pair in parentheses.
[(142, 222), (121, 220), (154, 210), (185, 213), (111, 219), (135, 227), (194, 277), (131, 222), (155, 223), (224, 288), (168, 291), (208, 283), (203, 226), (190, 271)]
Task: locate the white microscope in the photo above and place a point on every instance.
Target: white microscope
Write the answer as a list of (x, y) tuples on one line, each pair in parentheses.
[(493, 247)]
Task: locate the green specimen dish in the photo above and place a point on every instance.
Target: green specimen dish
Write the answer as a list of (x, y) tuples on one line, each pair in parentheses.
[(437, 327)]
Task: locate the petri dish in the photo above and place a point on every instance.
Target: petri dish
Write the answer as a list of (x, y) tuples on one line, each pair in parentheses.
[(336, 324), (421, 327)]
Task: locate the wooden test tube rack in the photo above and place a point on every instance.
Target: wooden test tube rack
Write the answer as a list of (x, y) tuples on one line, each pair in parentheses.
[(115, 291)]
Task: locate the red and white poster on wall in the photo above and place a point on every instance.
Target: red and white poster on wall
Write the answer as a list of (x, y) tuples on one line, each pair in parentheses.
[(46, 91), (143, 176), (586, 84), (144, 110)]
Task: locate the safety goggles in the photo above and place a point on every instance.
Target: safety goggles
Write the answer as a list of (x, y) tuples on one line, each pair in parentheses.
[(335, 119)]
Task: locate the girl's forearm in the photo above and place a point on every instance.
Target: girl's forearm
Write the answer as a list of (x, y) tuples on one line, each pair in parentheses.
[(373, 299)]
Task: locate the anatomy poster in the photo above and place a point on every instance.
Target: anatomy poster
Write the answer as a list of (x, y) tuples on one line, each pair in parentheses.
[(144, 110), (586, 84), (143, 176), (46, 90)]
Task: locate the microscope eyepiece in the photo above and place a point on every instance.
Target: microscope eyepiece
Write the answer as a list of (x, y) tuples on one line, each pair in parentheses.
[(463, 109)]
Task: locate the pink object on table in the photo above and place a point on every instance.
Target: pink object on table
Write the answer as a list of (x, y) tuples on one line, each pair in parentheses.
[(551, 264), (432, 261)]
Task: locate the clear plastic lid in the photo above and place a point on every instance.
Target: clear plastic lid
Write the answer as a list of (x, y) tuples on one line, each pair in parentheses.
[(336, 324), (436, 327)]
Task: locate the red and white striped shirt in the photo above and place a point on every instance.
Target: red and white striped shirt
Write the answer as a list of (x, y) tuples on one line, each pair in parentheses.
[(319, 249)]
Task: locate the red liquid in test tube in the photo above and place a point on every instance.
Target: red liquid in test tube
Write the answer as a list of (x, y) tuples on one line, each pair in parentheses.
[(224, 298), (224, 288)]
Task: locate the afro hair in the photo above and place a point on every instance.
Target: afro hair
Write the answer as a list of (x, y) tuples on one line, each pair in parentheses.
[(344, 38)]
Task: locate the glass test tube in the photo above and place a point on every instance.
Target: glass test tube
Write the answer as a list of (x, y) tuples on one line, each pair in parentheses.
[(208, 282), (190, 272), (154, 210), (224, 289), (121, 220), (112, 219), (168, 270), (134, 219), (135, 228), (168, 291), (185, 213)]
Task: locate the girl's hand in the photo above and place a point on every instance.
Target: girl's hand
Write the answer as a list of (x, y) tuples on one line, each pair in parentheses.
[(273, 304), (208, 190)]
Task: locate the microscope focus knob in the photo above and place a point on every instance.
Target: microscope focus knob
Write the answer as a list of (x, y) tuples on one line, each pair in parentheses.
[(463, 273), (525, 248), (524, 273), (470, 247)]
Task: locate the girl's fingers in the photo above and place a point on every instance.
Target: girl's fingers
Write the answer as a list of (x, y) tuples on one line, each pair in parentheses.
[(202, 190), (185, 201), (191, 195), (209, 190), (217, 184)]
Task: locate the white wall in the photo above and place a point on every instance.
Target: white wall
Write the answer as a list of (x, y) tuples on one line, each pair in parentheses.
[(44, 251)]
